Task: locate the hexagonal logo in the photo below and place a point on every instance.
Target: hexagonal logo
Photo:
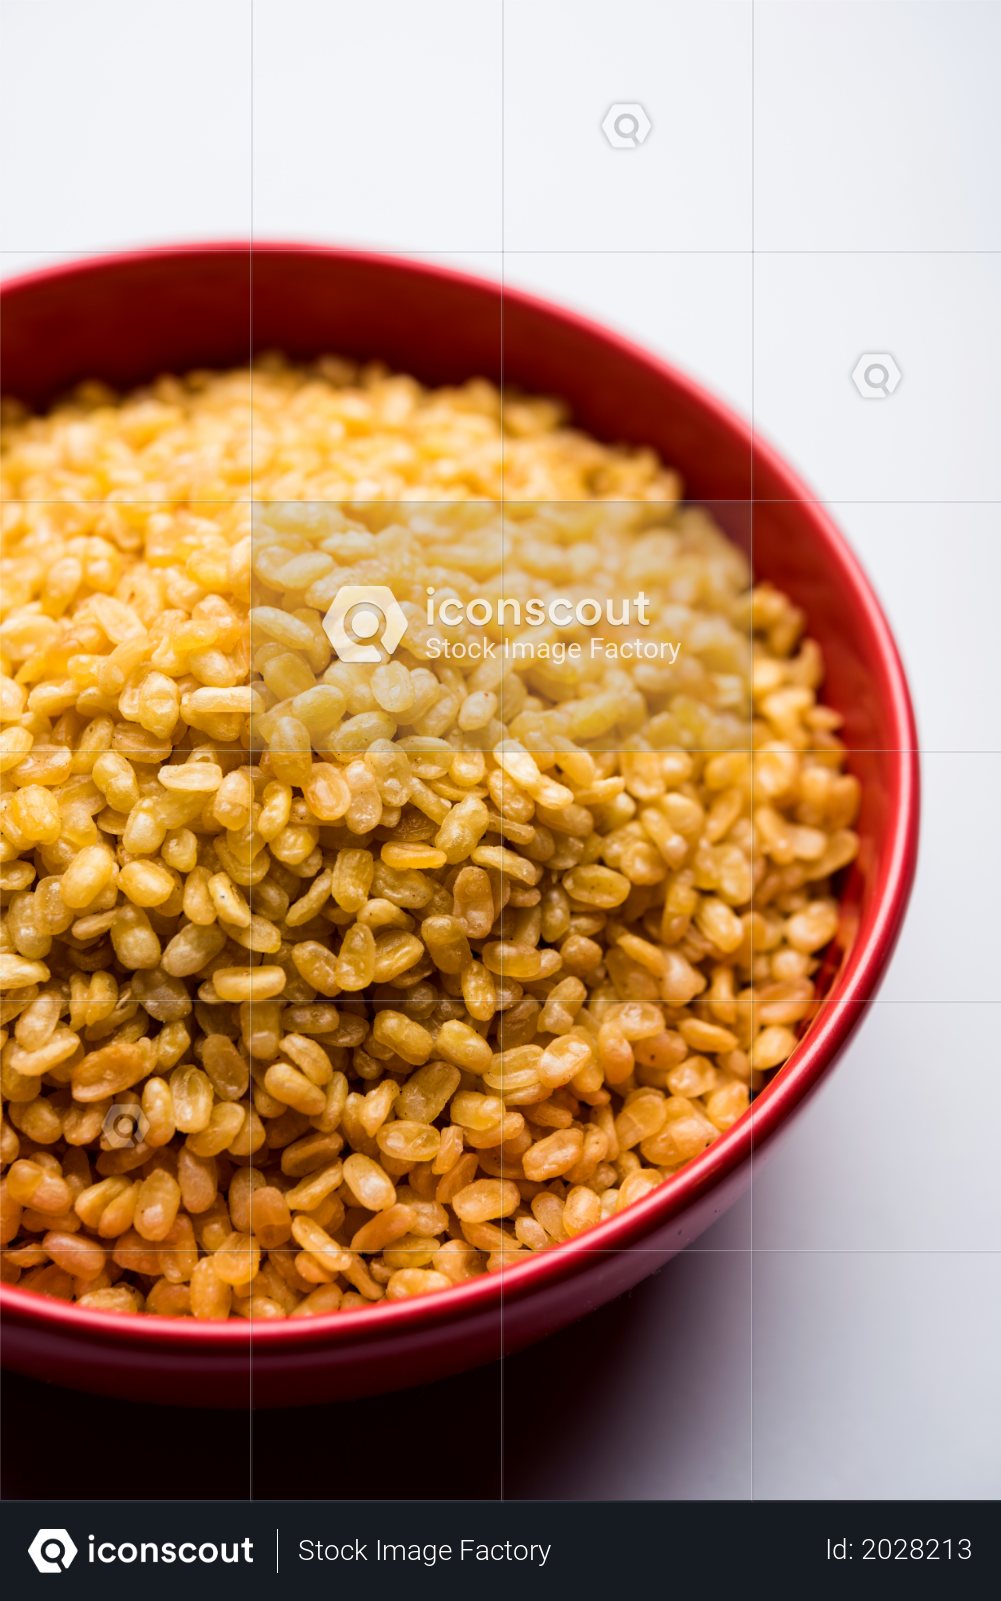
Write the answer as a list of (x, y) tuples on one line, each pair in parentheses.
[(876, 375), (52, 1550), (125, 1126), (625, 125), (364, 609)]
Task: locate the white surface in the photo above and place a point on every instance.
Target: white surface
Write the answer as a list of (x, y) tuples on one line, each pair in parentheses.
[(878, 125), (853, 1351), (378, 123), (124, 122), (939, 315), (878, 1386), (688, 186)]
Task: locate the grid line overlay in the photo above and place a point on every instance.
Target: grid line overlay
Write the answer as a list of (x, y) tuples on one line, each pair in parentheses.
[(504, 254)]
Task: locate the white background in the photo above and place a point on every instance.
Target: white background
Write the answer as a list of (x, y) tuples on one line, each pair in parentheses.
[(836, 1334)]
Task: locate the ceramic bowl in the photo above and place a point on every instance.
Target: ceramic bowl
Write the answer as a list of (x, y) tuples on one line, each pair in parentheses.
[(126, 318)]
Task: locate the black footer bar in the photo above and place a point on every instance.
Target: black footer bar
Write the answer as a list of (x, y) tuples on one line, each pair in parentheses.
[(444, 1548)]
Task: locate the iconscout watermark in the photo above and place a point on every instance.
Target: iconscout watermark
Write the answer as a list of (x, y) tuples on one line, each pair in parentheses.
[(360, 611), (625, 125), (876, 375), (427, 1556), (52, 1551), (558, 612)]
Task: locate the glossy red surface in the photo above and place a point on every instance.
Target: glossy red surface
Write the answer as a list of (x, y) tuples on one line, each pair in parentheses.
[(126, 318)]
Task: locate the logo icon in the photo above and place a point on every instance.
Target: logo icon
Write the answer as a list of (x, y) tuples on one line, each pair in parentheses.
[(364, 608), (876, 375), (626, 126), (124, 1126), (52, 1550)]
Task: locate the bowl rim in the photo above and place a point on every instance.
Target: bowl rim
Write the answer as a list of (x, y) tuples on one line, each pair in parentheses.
[(840, 1011)]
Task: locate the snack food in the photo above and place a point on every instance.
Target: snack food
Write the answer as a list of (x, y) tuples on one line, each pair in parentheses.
[(403, 969)]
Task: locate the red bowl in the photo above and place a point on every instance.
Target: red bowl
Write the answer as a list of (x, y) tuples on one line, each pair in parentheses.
[(126, 318)]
